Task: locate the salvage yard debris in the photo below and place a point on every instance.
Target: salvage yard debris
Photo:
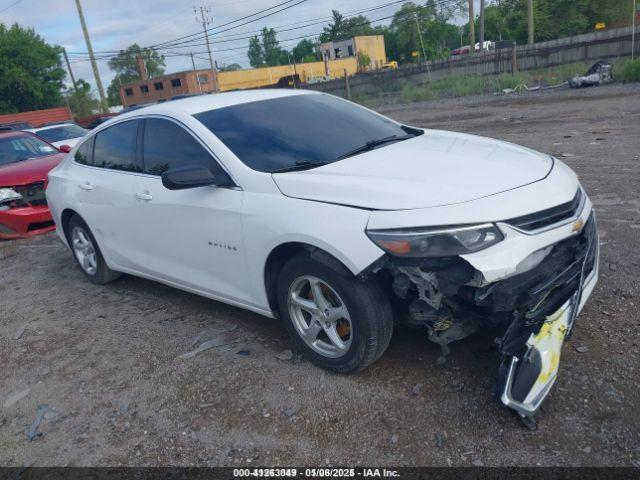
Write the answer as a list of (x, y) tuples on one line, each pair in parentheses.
[(598, 74), (33, 433)]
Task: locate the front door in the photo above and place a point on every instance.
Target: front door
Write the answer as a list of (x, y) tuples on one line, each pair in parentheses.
[(193, 237)]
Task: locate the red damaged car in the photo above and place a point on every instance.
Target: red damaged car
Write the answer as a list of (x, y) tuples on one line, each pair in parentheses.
[(25, 161)]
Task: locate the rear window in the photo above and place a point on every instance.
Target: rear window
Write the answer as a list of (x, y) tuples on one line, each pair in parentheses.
[(64, 132), (18, 148), (275, 134)]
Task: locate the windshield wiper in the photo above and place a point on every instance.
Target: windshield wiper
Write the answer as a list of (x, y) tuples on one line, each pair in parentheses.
[(300, 165), (372, 144)]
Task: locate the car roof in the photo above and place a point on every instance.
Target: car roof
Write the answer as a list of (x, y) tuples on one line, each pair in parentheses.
[(13, 133), (48, 127), (203, 103)]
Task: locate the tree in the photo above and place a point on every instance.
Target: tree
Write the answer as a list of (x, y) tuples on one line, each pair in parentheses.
[(126, 67), (507, 19), (81, 102), (271, 48), (255, 53), (31, 73), (125, 64), (266, 51), (343, 28), (304, 51)]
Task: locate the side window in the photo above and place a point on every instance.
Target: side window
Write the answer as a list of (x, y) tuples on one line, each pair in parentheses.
[(168, 145), (84, 155), (116, 147)]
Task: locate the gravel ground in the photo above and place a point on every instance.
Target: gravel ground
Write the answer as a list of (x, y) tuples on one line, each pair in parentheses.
[(106, 360)]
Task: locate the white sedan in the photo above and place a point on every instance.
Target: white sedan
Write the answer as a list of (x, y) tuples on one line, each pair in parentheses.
[(60, 134), (340, 221)]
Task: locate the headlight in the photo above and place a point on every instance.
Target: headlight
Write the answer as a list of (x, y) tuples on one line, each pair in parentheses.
[(7, 197), (436, 242)]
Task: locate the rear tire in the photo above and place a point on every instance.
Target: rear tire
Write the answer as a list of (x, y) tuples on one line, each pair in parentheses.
[(341, 323), (87, 253)]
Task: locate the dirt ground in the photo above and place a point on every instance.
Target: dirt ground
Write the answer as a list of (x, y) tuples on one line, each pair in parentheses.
[(106, 360)]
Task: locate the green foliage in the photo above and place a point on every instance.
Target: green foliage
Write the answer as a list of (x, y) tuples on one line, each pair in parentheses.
[(255, 53), (124, 63), (507, 19), (342, 28), (628, 71), (271, 47), (364, 60), (81, 102), (31, 73), (266, 51), (438, 35), (304, 51), (126, 68)]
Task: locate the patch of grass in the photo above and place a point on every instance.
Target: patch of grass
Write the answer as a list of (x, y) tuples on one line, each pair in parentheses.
[(464, 85), (416, 93), (627, 71)]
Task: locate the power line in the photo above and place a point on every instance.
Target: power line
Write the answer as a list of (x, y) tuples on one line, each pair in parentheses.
[(10, 6), (313, 22), (106, 56), (232, 22)]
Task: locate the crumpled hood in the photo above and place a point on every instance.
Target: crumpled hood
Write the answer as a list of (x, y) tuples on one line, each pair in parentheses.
[(434, 169), (28, 171)]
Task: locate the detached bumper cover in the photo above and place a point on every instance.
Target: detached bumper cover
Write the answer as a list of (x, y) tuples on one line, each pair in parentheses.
[(25, 222), (527, 376)]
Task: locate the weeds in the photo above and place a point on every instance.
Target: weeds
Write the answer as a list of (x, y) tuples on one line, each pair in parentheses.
[(627, 71)]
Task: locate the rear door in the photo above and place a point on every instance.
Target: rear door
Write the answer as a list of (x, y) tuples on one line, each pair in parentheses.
[(194, 236), (107, 193)]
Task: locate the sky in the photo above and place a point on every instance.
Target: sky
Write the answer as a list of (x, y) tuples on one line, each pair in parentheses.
[(116, 24)]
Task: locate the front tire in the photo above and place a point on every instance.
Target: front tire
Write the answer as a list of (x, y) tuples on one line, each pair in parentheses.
[(87, 253), (341, 323)]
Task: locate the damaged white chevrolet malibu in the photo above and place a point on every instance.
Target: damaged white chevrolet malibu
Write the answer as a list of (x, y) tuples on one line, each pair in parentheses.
[(342, 222)]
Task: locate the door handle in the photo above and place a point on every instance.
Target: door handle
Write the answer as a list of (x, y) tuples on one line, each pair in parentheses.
[(144, 196), (86, 186)]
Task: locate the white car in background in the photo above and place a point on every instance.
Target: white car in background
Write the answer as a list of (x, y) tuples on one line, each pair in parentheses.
[(342, 222), (60, 134)]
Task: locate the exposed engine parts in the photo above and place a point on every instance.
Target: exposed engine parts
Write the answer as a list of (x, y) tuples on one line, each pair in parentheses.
[(450, 300)]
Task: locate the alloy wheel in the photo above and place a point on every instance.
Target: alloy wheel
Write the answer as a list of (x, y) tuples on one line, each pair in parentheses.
[(84, 250), (320, 316)]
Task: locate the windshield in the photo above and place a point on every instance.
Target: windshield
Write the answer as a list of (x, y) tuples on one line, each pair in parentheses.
[(306, 130), (63, 132), (16, 149)]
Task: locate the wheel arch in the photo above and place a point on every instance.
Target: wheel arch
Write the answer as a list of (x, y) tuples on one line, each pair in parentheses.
[(65, 217), (285, 251)]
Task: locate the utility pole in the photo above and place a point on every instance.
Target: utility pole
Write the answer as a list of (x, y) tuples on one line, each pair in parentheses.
[(482, 25), (530, 16), (94, 66), (472, 30), (193, 64), (206, 20), (66, 59), (424, 52), (633, 31)]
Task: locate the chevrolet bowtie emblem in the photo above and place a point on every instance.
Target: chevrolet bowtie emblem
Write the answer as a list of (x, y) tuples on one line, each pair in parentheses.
[(577, 225)]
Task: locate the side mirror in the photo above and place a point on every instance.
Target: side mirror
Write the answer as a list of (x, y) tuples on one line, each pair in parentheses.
[(65, 148), (192, 176)]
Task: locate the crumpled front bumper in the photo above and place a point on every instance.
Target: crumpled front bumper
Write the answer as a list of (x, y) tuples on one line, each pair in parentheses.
[(526, 379), (25, 222)]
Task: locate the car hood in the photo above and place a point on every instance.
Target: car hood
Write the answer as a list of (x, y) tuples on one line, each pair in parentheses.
[(434, 169), (28, 171)]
